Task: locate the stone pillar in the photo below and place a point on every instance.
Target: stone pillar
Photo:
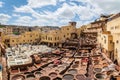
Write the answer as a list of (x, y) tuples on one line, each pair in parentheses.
[(53, 44), (48, 44)]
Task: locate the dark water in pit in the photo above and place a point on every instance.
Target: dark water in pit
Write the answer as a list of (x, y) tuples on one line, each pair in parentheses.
[(18, 77), (72, 71), (68, 77)]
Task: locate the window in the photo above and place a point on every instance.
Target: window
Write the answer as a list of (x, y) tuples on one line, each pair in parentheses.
[(55, 38), (112, 28), (67, 28), (110, 41), (64, 35), (48, 38), (30, 35), (104, 37), (116, 50), (117, 41), (23, 40), (12, 40), (116, 27), (67, 33), (104, 41)]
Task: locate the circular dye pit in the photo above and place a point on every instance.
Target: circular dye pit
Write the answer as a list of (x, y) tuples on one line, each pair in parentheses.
[(0, 67), (75, 66), (38, 73), (57, 78), (30, 77), (44, 78), (61, 67), (76, 62), (109, 72), (106, 68), (97, 70), (80, 77), (100, 76), (72, 71), (65, 64), (18, 77), (44, 59), (82, 71), (68, 77), (96, 62), (43, 71), (53, 74), (27, 73)]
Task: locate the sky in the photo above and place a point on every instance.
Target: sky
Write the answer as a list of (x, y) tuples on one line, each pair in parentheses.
[(54, 12)]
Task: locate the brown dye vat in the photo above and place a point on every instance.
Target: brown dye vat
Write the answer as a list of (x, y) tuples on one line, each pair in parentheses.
[(105, 67), (96, 62), (72, 71), (44, 59), (30, 77), (75, 66), (109, 72), (68, 77), (98, 66), (44, 78), (82, 71), (100, 76), (43, 71), (98, 70), (53, 74), (76, 62), (57, 78), (85, 54), (80, 77), (18, 77), (38, 73)]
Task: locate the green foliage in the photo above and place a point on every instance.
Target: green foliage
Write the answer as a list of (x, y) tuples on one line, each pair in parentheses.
[(16, 33), (1, 26)]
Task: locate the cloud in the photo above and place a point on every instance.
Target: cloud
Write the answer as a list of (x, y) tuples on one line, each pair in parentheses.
[(62, 0), (67, 11), (1, 4), (64, 13), (40, 3), (16, 15), (23, 20), (23, 9), (108, 6), (4, 18)]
